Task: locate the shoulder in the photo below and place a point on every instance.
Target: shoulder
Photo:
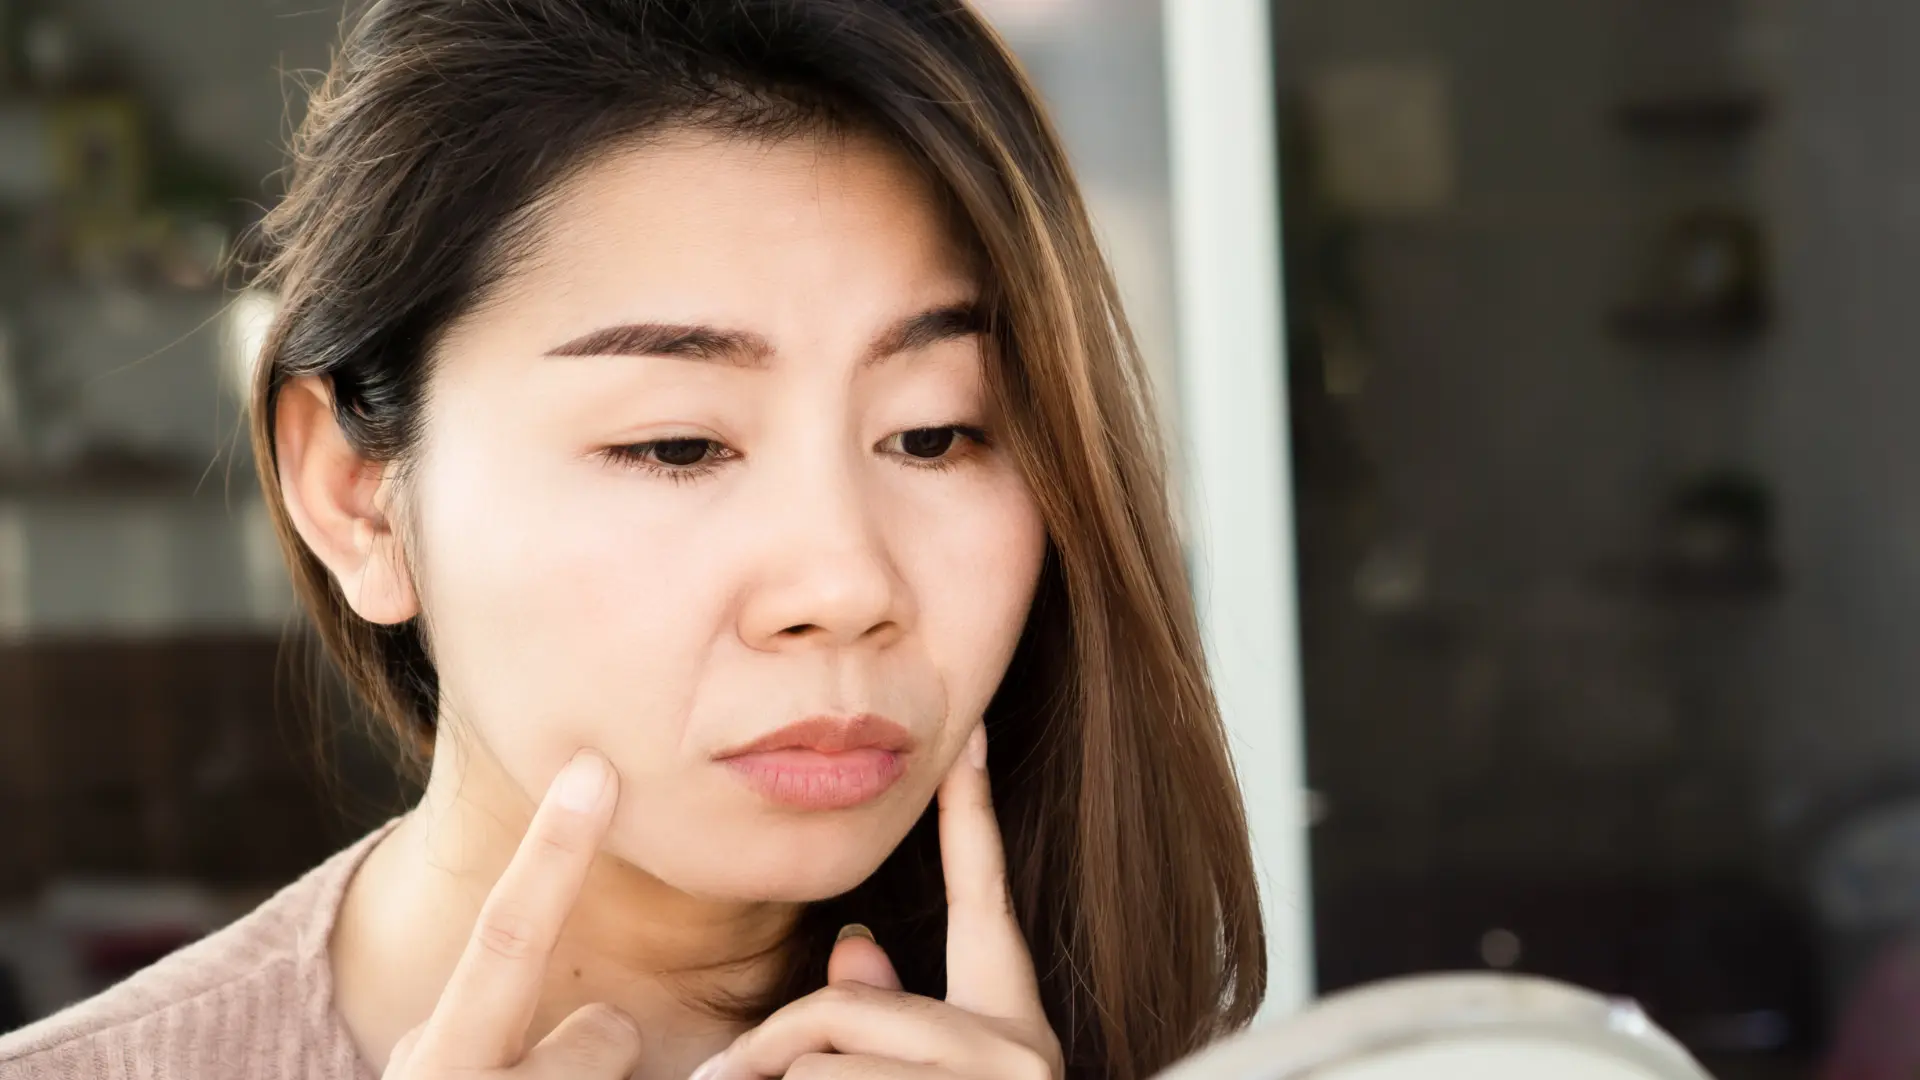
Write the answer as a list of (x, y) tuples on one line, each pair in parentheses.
[(252, 1000)]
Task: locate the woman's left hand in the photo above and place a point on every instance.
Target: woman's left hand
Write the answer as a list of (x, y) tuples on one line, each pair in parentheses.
[(864, 1027)]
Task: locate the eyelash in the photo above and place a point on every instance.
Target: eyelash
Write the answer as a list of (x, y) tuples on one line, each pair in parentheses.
[(642, 455)]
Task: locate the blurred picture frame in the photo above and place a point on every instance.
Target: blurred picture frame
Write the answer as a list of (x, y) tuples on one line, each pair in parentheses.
[(99, 161), (99, 155)]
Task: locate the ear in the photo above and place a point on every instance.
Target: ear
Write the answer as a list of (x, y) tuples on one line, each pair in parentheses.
[(339, 503)]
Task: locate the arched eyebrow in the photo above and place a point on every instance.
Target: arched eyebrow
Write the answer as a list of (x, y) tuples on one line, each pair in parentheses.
[(927, 329), (710, 344), (742, 348)]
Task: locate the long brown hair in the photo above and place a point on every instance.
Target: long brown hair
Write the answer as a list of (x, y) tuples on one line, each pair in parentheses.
[(418, 178)]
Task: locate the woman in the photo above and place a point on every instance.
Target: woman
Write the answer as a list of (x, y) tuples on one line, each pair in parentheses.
[(699, 430)]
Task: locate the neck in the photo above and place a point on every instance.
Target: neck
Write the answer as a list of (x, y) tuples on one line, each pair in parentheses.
[(632, 940)]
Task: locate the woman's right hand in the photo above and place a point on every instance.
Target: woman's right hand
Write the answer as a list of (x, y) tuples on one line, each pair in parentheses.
[(479, 1026)]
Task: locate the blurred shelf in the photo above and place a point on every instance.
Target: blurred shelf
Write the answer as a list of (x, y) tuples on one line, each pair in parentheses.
[(1722, 115), (1671, 583), (58, 491), (1659, 324), (129, 482)]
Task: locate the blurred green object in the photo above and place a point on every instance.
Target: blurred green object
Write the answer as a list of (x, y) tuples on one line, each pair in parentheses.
[(93, 185)]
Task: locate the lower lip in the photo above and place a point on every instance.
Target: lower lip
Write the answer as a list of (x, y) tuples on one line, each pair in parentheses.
[(815, 780)]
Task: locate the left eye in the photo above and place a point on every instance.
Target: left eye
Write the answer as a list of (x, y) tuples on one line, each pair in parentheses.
[(933, 443), (928, 442)]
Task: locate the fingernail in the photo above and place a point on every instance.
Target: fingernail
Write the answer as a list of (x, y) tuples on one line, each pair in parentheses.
[(853, 929), (710, 1070), (579, 785), (977, 747)]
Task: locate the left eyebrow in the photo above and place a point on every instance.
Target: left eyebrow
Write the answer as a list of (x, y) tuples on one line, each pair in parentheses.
[(927, 329), (744, 349)]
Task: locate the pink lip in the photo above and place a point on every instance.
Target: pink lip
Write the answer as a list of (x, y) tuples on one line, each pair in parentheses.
[(823, 763)]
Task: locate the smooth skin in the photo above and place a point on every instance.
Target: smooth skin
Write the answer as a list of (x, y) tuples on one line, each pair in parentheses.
[(862, 1026)]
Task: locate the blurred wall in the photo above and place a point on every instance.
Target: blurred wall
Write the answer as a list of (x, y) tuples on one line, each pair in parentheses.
[(1484, 689), (1841, 393), (212, 63)]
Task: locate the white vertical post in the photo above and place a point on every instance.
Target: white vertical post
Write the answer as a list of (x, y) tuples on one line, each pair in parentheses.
[(1234, 416)]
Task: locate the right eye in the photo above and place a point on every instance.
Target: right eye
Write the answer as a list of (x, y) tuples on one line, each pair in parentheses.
[(677, 459)]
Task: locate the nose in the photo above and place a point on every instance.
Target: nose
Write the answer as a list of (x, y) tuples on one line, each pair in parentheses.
[(827, 575)]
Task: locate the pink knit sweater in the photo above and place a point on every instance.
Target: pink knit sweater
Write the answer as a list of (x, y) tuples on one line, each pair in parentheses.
[(252, 1002)]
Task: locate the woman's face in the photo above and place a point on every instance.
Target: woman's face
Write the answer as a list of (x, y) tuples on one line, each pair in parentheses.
[(707, 468)]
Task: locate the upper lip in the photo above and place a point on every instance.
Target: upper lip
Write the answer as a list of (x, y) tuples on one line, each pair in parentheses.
[(830, 735)]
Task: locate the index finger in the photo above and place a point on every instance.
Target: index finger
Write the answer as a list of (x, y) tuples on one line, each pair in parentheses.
[(482, 1016), (989, 970)]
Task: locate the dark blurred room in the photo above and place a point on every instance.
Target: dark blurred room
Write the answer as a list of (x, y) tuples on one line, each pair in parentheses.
[(1594, 344)]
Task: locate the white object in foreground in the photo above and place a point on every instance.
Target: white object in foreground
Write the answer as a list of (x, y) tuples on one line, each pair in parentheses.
[(1451, 1027)]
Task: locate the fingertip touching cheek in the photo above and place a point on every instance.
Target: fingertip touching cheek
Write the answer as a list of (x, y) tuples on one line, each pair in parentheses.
[(715, 487)]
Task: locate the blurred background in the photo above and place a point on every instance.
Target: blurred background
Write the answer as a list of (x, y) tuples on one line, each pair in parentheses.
[(1595, 333)]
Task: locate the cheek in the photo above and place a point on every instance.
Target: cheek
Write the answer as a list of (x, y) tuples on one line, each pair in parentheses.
[(550, 614), (974, 573)]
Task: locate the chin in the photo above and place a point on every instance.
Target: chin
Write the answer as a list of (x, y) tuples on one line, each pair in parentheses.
[(772, 859), (804, 884)]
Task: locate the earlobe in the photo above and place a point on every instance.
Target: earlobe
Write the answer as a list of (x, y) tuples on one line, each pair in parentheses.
[(338, 502)]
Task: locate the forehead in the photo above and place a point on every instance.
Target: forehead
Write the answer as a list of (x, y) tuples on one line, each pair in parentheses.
[(688, 218)]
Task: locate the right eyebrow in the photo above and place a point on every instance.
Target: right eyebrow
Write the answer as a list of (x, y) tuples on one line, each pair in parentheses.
[(710, 344)]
